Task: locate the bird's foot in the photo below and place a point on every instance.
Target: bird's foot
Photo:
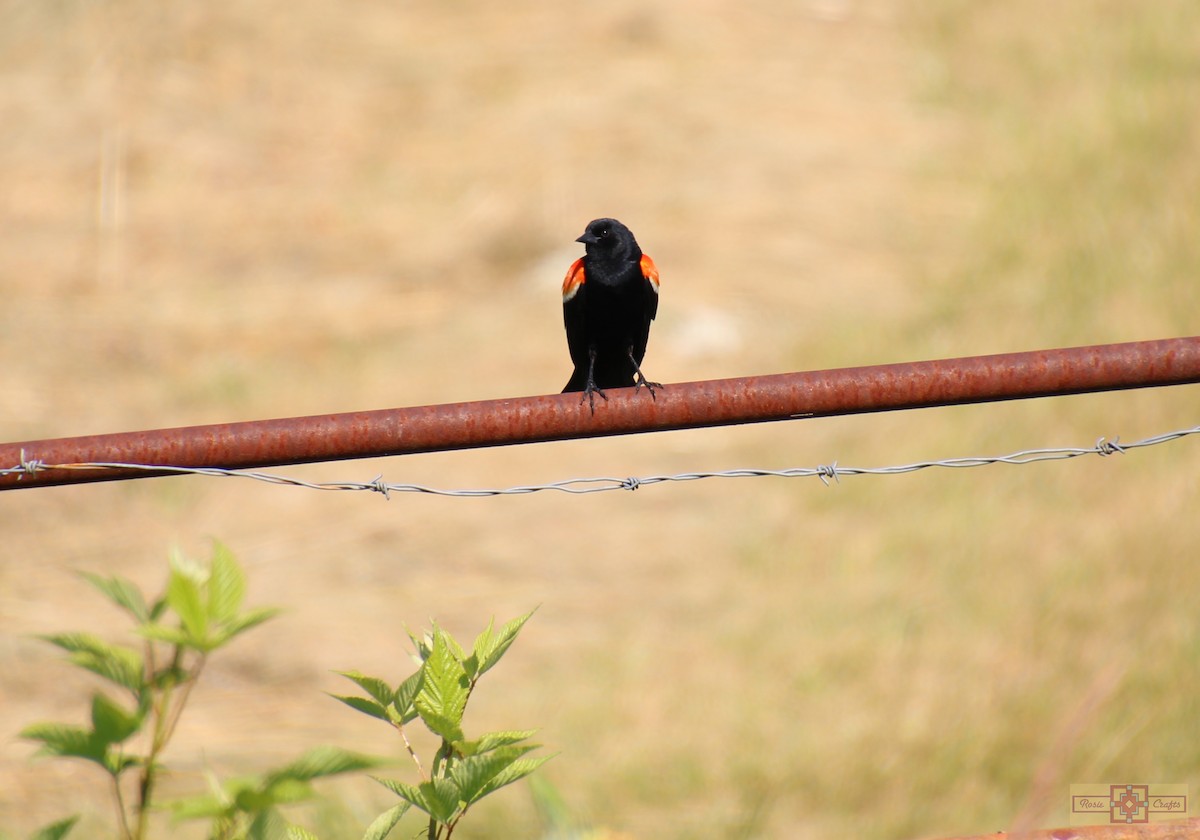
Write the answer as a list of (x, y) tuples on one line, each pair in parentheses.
[(589, 393), (641, 380)]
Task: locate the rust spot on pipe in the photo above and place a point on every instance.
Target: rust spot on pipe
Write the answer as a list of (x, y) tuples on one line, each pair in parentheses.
[(755, 399)]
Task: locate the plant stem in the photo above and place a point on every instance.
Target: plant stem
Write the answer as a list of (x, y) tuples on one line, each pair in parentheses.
[(121, 815), (166, 718), (408, 746)]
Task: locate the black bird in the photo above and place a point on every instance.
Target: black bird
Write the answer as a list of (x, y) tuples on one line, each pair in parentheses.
[(610, 296)]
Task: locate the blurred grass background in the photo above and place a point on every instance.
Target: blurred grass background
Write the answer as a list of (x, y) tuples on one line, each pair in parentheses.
[(215, 212)]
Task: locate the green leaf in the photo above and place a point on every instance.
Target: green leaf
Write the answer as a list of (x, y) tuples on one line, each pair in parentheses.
[(121, 592), (441, 795), (255, 799), (113, 723), (170, 635), (443, 695), (325, 761), (117, 664), (382, 825), (451, 643), (422, 645), (489, 647), (204, 806), (377, 688), (295, 832), (183, 596), (58, 830), (493, 740), (62, 739), (158, 608), (116, 762), (362, 704), (268, 824), (405, 791), (473, 774), (556, 816), (226, 586), (247, 620), (406, 693), (284, 791), (483, 642), (514, 772)]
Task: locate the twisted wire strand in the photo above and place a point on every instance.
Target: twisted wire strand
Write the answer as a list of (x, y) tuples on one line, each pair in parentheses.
[(827, 473)]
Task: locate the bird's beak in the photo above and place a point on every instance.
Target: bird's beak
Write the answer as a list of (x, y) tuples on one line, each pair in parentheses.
[(588, 238)]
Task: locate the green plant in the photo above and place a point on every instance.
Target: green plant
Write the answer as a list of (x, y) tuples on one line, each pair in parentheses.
[(199, 613), (248, 807), (462, 771)]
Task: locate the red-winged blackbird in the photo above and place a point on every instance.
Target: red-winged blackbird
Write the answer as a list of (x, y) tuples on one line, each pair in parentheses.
[(610, 297)]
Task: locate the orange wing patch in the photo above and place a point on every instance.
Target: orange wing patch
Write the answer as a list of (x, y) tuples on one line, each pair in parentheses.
[(575, 279), (650, 271)]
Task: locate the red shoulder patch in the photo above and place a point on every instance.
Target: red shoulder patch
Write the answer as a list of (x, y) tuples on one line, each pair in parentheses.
[(650, 271), (575, 278)]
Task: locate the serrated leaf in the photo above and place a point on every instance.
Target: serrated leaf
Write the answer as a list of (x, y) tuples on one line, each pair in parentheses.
[(405, 791), (325, 761), (492, 740), (382, 825), (57, 830), (377, 688), (473, 774), (121, 592), (117, 664), (123, 668), (441, 795), (268, 825), (112, 722), (483, 642), (406, 693), (226, 586), (285, 791), (295, 832), (205, 806), (497, 644), (443, 695), (246, 621), (67, 740), (422, 645), (514, 772), (184, 598), (163, 633), (451, 644), (60, 738), (253, 800), (362, 704)]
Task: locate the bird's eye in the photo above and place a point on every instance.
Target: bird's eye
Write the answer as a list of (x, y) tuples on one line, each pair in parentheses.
[(603, 232)]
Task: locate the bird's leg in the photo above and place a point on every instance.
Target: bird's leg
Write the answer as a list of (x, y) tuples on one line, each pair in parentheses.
[(589, 389), (639, 378)]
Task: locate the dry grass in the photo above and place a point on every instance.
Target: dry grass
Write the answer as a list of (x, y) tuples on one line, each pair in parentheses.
[(215, 212)]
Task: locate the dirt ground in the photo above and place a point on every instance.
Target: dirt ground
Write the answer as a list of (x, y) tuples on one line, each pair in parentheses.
[(216, 212)]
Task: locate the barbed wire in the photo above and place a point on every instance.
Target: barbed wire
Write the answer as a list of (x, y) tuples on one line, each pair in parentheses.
[(827, 472)]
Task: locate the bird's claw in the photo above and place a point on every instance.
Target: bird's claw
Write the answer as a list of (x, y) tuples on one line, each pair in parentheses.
[(650, 386), (589, 393)]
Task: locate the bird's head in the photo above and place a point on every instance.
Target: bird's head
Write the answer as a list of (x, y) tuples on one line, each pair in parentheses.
[(609, 238)]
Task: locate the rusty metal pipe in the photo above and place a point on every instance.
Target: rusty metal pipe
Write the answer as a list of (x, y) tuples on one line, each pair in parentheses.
[(754, 399)]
